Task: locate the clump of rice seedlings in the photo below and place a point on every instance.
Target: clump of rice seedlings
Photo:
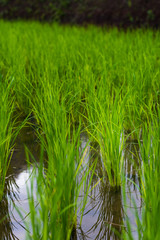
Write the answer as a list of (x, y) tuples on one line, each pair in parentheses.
[(57, 197), (6, 110), (57, 181), (106, 118), (111, 139)]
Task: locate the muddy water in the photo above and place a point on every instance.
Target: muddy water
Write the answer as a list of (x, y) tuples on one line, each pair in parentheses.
[(104, 212)]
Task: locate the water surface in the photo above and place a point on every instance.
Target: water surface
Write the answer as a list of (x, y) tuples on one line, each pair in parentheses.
[(104, 211)]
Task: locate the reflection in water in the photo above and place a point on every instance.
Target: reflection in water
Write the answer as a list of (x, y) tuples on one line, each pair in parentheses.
[(11, 226), (104, 216), (6, 225), (132, 165), (104, 211), (107, 213)]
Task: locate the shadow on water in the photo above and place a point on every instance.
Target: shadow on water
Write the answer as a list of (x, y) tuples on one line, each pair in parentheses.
[(104, 214)]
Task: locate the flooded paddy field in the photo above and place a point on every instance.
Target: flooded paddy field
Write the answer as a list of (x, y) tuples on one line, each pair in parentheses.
[(104, 213), (79, 132)]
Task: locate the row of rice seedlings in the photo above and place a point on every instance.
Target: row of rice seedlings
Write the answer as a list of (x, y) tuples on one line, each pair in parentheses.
[(149, 164), (81, 59), (6, 134), (58, 181)]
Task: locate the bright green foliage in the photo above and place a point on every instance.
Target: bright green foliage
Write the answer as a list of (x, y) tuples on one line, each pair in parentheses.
[(59, 183), (107, 118), (149, 171), (150, 177), (104, 81), (6, 109)]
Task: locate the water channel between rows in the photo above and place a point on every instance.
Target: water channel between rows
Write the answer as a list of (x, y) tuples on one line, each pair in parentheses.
[(104, 211)]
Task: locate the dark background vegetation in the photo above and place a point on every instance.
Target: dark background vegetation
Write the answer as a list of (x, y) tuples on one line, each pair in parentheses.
[(122, 13)]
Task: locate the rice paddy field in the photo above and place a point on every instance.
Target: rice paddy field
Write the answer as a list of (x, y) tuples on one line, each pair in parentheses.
[(79, 132)]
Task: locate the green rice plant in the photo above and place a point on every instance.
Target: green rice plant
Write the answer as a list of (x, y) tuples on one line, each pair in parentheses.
[(55, 215), (106, 118), (6, 127), (58, 183), (147, 224), (111, 140)]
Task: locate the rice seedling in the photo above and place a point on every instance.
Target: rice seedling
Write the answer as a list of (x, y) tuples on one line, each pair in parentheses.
[(6, 110), (109, 133)]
